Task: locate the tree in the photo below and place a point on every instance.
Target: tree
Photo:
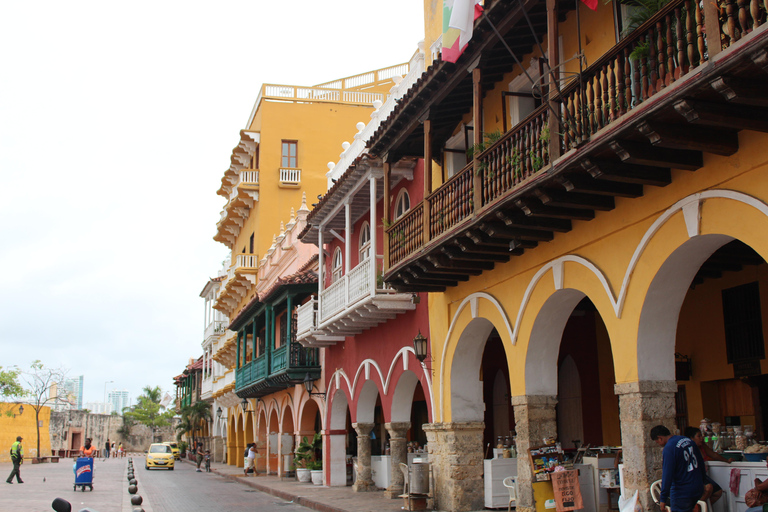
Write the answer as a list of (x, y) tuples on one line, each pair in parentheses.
[(9, 383), (147, 410), (38, 380), (193, 417)]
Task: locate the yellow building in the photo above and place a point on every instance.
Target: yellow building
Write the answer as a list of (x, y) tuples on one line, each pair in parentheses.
[(596, 265), (19, 420), (281, 159)]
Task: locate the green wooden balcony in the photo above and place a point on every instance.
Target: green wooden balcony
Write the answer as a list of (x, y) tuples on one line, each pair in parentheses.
[(288, 365)]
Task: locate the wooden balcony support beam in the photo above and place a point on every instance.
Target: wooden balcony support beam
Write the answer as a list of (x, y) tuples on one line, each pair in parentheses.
[(612, 170), (402, 287), (418, 273), (634, 152), (744, 91), (443, 262), (578, 200), (516, 220), (481, 239), (427, 266), (698, 138), (500, 230), (534, 208), (737, 117), (467, 252), (409, 279), (586, 184)]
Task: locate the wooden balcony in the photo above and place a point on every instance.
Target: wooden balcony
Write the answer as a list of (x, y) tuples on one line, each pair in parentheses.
[(682, 84), (241, 278), (349, 306), (282, 368)]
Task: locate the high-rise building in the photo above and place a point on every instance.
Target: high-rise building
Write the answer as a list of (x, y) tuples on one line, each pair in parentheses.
[(71, 391), (119, 400), (98, 407)]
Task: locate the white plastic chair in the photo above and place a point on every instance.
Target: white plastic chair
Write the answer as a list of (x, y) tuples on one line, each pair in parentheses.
[(511, 486), (656, 494)]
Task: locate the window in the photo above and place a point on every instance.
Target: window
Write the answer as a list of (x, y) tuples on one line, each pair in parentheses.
[(365, 241), (403, 204), (743, 323), (289, 154), (250, 242), (337, 269)]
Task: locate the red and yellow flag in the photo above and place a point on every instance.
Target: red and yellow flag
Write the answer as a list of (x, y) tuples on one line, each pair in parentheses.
[(458, 20)]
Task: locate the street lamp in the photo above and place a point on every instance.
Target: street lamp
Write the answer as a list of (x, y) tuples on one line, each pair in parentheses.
[(420, 347), (105, 394), (309, 384)]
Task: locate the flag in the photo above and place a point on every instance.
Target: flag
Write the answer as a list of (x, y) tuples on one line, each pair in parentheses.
[(592, 4), (458, 20)]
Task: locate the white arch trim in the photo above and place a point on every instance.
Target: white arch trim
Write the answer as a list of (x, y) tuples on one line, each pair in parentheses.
[(472, 300), (690, 207), (364, 369)]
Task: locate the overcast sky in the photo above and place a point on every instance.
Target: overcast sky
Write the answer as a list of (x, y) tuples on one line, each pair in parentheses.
[(117, 121)]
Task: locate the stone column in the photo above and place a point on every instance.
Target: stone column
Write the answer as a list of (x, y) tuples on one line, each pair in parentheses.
[(535, 420), (642, 406), (399, 455), (364, 481), (456, 454), (217, 448), (239, 450), (232, 454)]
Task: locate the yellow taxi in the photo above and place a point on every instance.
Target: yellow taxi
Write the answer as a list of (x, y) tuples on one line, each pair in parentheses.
[(174, 449), (159, 455)]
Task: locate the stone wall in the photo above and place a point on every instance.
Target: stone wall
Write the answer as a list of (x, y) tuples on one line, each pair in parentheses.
[(68, 428)]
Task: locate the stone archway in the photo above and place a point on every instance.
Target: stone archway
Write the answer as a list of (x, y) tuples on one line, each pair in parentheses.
[(398, 427), (261, 440), (285, 441), (273, 454), (366, 405)]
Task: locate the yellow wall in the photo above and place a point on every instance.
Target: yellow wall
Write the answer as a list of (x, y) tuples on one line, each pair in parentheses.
[(433, 25), (608, 243), (23, 425)]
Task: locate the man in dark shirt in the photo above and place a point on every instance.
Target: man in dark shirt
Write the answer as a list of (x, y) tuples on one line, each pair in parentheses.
[(682, 483)]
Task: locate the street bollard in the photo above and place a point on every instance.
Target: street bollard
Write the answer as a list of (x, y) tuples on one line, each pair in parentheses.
[(132, 489), (136, 499)]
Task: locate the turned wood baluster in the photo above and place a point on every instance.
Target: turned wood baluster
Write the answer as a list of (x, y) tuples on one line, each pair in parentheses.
[(682, 66), (615, 94), (754, 10), (578, 107), (595, 102), (733, 32), (537, 139), (670, 52), (692, 61), (661, 60), (628, 81), (700, 30), (606, 95), (652, 71), (743, 22)]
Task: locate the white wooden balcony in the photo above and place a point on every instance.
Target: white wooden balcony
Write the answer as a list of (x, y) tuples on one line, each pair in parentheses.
[(215, 328), (206, 389), (241, 278), (349, 306), (290, 176)]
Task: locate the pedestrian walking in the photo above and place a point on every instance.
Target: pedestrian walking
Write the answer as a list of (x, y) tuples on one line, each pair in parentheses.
[(106, 449), (207, 461), (17, 457), (199, 456)]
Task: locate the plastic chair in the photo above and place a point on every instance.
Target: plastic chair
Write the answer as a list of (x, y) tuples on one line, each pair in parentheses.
[(406, 494), (511, 486), (656, 494)]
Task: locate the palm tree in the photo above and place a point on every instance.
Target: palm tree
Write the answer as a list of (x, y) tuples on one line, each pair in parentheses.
[(193, 417)]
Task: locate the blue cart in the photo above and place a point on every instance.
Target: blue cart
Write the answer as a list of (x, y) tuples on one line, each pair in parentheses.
[(84, 473)]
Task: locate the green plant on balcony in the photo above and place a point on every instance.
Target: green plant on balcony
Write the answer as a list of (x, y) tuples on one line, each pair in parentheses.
[(487, 140)]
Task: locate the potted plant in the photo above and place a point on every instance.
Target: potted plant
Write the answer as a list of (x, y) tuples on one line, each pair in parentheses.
[(183, 449), (305, 460)]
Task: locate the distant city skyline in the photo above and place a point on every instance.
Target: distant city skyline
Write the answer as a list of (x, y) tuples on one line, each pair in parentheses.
[(119, 400)]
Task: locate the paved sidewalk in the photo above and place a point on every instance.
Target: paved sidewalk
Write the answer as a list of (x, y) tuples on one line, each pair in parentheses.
[(321, 498), (45, 482)]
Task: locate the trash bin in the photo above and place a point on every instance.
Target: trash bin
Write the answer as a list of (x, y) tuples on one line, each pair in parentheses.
[(419, 481)]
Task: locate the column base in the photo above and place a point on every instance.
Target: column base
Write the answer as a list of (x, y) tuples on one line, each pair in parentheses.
[(456, 455)]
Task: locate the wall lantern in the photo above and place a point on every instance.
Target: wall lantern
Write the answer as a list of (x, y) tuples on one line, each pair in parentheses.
[(309, 385), (218, 412), (246, 405), (21, 410), (420, 346)]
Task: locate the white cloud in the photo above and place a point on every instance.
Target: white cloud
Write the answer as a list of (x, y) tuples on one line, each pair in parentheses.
[(116, 125)]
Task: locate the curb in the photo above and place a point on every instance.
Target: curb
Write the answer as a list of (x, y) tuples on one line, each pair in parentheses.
[(287, 496)]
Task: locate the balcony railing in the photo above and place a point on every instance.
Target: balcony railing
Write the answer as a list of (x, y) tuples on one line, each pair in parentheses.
[(306, 317), (252, 371), (333, 299), (287, 365), (215, 328), (370, 77), (320, 94), (666, 48), (296, 357), (247, 261), (291, 176)]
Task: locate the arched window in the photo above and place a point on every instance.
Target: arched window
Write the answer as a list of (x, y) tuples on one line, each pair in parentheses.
[(365, 241), (403, 204), (337, 269)]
